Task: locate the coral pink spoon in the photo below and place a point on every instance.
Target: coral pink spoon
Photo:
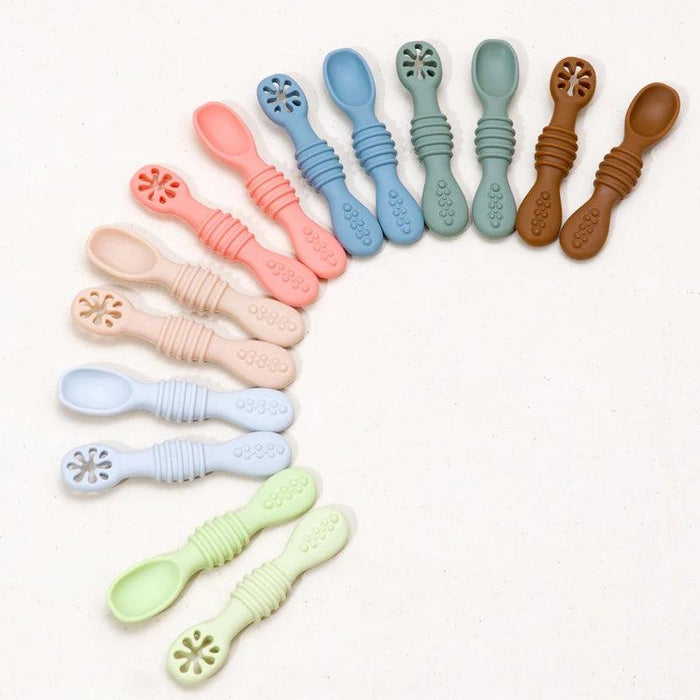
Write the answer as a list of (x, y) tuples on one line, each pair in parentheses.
[(105, 312), (226, 135), (163, 192)]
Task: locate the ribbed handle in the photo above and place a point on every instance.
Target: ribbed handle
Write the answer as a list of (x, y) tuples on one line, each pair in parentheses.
[(556, 148), (262, 591), (182, 402), (431, 136), (220, 539), (374, 146), (619, 171), (224, 234), (179, 460), (319, 164), (271, 191), (495, 138), (198, 288), (184, 339)]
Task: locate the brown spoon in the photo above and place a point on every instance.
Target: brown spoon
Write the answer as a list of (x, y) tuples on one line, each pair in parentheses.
[(572, 86), (649, 118)]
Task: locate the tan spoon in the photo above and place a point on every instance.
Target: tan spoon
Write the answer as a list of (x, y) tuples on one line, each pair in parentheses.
[(571, 85), (105, 312), (130, 257), (649, 118)]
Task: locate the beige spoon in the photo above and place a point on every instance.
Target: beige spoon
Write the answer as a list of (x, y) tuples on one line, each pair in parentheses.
[(130, 257), (105, 312)]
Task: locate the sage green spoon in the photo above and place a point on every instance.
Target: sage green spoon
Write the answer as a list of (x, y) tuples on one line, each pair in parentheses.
[(199, 652), (495, 78), (153, 585), (444, 206)]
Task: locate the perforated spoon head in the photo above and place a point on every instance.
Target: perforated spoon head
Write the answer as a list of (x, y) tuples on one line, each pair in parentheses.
[(158, 189), (418, 66), (90, 468), (95, 391), (101, 311), (223, 132), (282, 99), (573, 82), (121, 253), (199, 652), (651, 114)]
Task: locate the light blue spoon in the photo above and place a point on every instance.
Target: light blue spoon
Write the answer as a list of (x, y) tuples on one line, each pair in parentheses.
[(101, 391), (284, 103), (495, 78), (351, 86)]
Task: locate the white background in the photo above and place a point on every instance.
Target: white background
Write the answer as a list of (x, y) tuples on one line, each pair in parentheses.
[(513, 434)]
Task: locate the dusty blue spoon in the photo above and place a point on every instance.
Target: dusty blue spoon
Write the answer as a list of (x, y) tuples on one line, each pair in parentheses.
[(351, 86)]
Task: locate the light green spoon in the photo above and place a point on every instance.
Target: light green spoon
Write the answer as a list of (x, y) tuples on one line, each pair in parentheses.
[(419, 69), (153, 585), (199, 652)]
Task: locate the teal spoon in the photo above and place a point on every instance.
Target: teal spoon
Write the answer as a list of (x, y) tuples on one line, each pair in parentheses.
[(495, 78), (444, 206)]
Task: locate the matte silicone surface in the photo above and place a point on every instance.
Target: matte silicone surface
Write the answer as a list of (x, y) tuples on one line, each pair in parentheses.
[(153, 585), (226, 135), (444, 205), (96, 467), (649, 118), (495, 79), (102, 391), (571, 85), (163, 192), (105, 312), (200, 651), (351, 86), (283, 102), (129, 257)]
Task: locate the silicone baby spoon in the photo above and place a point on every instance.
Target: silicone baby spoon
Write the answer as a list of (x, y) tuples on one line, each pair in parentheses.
[(163, 192), (351, 86), (226, 135), (105, 312), (95, 467), (571, 85), (649, 118), (495, 78), (153, 585), (130, 257), (419, 69), (284, 103), (199, 652), (100, 391)]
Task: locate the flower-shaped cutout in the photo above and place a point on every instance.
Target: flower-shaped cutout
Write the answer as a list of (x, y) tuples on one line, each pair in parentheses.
[(90, 466), (420, 62), (158, 186), (282, 95), (100, 309), (575, 78), (195, 651)]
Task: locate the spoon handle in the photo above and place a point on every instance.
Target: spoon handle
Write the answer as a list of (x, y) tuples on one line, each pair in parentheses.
[(188, 402), (586, 230), (256, 362), (444, 205), (494, 208), (399, 215), (265, 319), (201, 651)]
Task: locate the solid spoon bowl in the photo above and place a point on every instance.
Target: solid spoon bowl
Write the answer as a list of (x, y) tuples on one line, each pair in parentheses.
[(222, 130), (95, 391), (348, 78), (653, 111), (121, 253), (495, 69)]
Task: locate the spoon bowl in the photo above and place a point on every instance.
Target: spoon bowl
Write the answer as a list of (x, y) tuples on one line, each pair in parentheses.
[(349, 79), (121, 253), (222, 130), (495, 69), (94, 391), (145, 590), (653, 112)]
